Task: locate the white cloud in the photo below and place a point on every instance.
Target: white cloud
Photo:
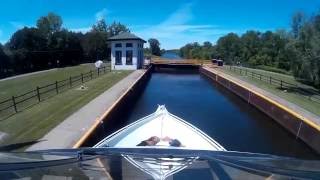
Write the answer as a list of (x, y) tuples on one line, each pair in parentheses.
[(176, 30), (101, 14), (17, 24)]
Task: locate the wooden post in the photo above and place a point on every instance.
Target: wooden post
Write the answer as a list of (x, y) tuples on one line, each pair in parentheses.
[(104, 69), (81, 77), (260, 77), (70, 81), (98, 71), (270, 78), (57, 90), (246, 72), (14, 104), (38, 93), (91, 74), (281, 84)]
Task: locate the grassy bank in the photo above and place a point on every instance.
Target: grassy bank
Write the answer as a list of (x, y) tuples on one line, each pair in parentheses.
[(35, 122), (295, 97), (26, 83)]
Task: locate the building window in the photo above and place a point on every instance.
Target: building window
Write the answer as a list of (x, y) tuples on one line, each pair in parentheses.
[(118, 45), (118, 57), (129, 57), (128, 44)]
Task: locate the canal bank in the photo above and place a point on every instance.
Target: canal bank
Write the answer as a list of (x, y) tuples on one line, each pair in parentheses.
[(300, 123), (82, 122)]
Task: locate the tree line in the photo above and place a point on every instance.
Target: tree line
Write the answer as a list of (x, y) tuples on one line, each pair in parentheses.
[(295, 51), (49, 45)]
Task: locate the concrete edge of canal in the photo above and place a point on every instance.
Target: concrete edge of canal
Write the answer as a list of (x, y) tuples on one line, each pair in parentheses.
[(297, 122), (79, 127)]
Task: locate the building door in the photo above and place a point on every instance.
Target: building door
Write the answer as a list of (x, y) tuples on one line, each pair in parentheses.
[(129, 57), (118, 57)]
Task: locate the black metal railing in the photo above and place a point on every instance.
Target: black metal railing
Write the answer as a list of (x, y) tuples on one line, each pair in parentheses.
[(15, 104), (308, 92)]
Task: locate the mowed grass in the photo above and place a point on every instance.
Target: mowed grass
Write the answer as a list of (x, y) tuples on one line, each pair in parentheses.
[(20, 85), (294, 97), (33, 123)]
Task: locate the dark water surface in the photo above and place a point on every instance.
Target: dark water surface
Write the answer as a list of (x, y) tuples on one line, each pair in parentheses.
[(232, 122), (171, 55)]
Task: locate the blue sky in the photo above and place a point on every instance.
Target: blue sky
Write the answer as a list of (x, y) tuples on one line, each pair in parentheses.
[(173, 22)]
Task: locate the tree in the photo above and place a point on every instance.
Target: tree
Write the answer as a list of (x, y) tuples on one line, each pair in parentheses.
[(4, 62), (116, 28), (100, 26), (154, 46), (49, 24), (298, 20), (228, 48)]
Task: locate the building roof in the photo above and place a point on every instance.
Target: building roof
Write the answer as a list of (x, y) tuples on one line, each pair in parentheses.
[(125, 36)]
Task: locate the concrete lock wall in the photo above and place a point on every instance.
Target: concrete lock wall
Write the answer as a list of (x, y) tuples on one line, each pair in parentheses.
[(121, 106), (297, 125)]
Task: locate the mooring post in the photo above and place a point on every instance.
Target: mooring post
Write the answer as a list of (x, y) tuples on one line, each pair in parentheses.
[(14, 104)]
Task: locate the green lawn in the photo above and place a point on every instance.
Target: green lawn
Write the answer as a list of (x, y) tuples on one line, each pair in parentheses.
[(291, 96), (20, 85), (36, 121)]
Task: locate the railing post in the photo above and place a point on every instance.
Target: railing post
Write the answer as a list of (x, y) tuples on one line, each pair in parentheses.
[(82, 77), (57, 90), (14, 104), (38, 93), (270, 79), (70, 81)]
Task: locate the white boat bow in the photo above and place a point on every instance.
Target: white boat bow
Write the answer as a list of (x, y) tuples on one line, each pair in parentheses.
[(161, 124)]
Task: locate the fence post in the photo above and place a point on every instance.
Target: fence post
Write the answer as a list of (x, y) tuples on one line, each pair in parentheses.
[(281, 84), (270, 79), (240, 71), (91, 74), (70, 81), (260, 77), (57, 90), (82, 77), (98, 71), (246, 72), (104, 69), (14, 104), (38, 93)]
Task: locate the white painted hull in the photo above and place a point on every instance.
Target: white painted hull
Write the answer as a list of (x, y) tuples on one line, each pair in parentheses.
[(161, 123)]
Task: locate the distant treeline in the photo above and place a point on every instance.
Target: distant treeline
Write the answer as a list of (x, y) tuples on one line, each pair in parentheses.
[(49, 45), (296, 51)]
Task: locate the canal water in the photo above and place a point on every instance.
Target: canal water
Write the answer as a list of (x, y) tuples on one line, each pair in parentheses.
[(171, 55), (232, 122)]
